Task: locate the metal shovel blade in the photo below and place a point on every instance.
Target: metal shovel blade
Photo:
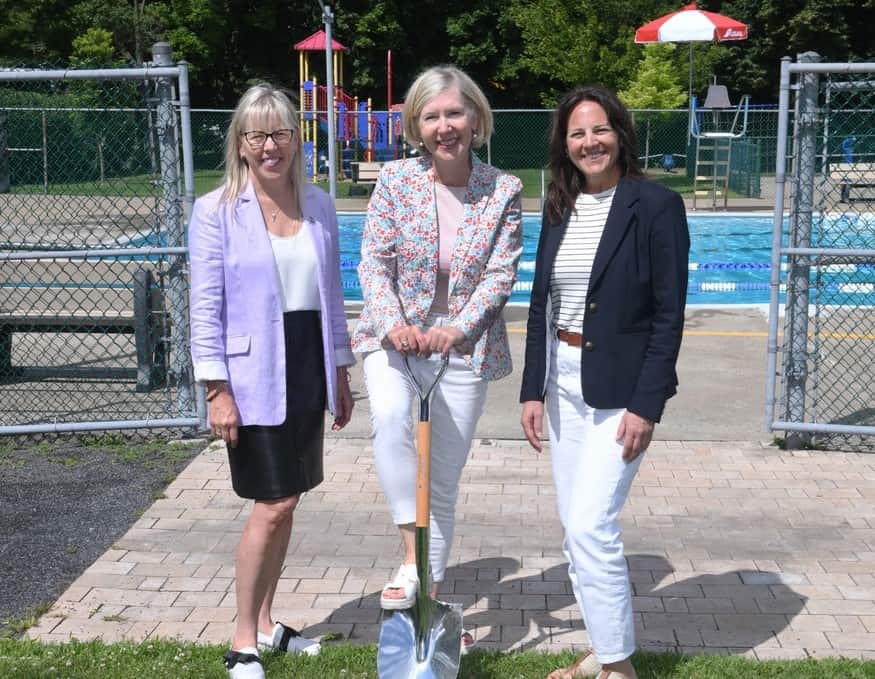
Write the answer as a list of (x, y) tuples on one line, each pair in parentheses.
[(400, 656)]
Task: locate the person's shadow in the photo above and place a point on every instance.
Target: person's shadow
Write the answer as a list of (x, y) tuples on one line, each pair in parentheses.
[(736, 610)]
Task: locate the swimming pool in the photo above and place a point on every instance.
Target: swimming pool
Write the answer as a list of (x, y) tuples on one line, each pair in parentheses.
[(730, 258)]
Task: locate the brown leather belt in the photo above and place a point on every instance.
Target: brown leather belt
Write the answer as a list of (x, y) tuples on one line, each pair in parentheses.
[(573, 339)]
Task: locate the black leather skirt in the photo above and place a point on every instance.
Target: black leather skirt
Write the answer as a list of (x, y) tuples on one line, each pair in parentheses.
[(284, 460)]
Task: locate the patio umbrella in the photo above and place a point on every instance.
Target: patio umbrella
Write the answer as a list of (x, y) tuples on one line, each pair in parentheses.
[(691, 25)]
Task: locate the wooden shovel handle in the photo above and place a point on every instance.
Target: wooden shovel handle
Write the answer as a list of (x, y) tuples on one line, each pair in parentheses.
[(423, 474)]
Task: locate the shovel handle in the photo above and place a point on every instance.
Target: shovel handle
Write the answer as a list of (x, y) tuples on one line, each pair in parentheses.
[(423, 474)]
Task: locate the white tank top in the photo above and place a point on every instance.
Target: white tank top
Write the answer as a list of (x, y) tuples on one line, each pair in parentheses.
[(298, 271)]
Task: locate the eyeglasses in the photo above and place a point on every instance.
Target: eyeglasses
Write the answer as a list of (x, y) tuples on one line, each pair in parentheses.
[(256, 138)]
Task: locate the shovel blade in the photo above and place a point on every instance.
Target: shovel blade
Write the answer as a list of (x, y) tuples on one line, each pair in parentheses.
[(406, 652)]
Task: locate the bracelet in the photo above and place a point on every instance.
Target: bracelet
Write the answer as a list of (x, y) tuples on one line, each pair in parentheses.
[(215, 391)]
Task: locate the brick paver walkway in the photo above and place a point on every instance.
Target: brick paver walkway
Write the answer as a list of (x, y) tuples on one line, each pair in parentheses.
[(733, 548)]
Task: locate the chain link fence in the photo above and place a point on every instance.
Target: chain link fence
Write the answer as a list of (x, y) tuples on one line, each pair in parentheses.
[(519, 144), (93, 282), (824, 256), (97, 169)]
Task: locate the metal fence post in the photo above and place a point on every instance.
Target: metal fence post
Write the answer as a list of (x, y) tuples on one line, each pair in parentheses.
[(188, 204), (166, 122), (798, 281), (777, 232), (4, 155)]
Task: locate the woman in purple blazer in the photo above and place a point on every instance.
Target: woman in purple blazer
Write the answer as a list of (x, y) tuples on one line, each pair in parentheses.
[(269, 340)]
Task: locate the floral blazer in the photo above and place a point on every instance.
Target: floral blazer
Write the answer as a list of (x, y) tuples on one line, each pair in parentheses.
[(399, 263)]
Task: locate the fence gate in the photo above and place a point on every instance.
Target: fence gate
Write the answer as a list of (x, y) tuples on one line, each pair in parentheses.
[(822, 371), (95, 183)]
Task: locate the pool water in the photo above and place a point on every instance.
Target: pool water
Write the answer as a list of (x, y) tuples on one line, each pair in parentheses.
[(730, 258)]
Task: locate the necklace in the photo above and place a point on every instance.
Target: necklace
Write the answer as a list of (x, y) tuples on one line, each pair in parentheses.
[(273, 216)]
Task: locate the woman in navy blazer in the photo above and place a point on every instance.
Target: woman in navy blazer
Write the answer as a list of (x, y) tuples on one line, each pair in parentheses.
[(269, 340), (604, 330)]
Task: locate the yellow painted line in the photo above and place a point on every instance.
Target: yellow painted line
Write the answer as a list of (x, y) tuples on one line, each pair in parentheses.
[(733, 333), (811, 335), (697, 333), (724, 333)]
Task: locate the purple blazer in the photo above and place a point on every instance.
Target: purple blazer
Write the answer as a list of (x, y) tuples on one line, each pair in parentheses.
[(236, 304)]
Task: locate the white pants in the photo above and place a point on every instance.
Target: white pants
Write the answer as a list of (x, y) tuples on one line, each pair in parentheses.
[(456, 405), (592, 484)]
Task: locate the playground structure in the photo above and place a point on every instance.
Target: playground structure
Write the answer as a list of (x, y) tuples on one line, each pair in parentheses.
[(362, 134)]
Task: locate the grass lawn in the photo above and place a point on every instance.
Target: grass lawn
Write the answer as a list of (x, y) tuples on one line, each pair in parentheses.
[(167, 660), (132, 186), (207, 180)]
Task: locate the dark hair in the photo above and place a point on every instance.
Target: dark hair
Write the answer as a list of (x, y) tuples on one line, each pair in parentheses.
[(566, 181)]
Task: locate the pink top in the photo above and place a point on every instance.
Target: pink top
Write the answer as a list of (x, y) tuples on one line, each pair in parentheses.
[(450, 209)]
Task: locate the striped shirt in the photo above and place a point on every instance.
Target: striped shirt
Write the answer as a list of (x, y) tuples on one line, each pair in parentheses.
[(569, 281)]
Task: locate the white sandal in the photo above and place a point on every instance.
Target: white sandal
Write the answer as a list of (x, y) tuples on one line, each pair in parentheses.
[(407, 581), (467, 648)]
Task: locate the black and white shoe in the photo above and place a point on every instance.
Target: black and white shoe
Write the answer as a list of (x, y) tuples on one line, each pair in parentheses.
[(284, 639), (244, 664)]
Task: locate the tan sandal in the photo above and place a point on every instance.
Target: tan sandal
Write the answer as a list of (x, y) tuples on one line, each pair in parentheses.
[(585, 666)]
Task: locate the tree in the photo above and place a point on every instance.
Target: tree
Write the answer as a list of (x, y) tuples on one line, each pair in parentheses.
[(839, 30), (656, 84), (35, 32), (522, 52), (575, 42), (134, 24), (92, 49)]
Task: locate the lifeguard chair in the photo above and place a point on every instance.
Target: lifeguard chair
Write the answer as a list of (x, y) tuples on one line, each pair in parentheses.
[(713, 137)]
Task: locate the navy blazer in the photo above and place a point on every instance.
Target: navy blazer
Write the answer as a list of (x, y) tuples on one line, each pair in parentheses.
[(634, 305)]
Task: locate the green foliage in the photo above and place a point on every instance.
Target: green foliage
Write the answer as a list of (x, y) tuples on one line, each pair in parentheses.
[(575, 42), (839, 30), (656, 83), (523, 52), (135, 24), (106, 439), (35, 32), (92, 49), (9, 629)]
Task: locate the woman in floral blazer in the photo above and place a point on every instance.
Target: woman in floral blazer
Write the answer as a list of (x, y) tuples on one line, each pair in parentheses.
[(439, 254)]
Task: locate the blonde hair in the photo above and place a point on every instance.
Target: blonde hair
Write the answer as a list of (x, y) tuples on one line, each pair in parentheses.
[(258, 105), (430, 84)]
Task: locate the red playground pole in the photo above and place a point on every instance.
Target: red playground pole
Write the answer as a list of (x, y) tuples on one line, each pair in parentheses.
[(388, 80)]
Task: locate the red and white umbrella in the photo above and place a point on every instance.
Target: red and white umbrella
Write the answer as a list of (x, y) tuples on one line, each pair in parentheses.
[(691, 25)]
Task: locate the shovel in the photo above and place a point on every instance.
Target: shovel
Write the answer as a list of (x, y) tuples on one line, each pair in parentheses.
[(422, 642)]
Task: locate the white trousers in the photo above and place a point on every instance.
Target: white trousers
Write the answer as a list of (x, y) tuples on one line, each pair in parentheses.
[(456, 405), (592, 484)]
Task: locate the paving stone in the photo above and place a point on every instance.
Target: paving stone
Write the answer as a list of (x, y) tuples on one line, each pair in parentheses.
[(179, 631)]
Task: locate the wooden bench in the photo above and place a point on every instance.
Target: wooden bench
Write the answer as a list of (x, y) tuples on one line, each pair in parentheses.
[(147, 322), (853, 176), (366, 172)]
